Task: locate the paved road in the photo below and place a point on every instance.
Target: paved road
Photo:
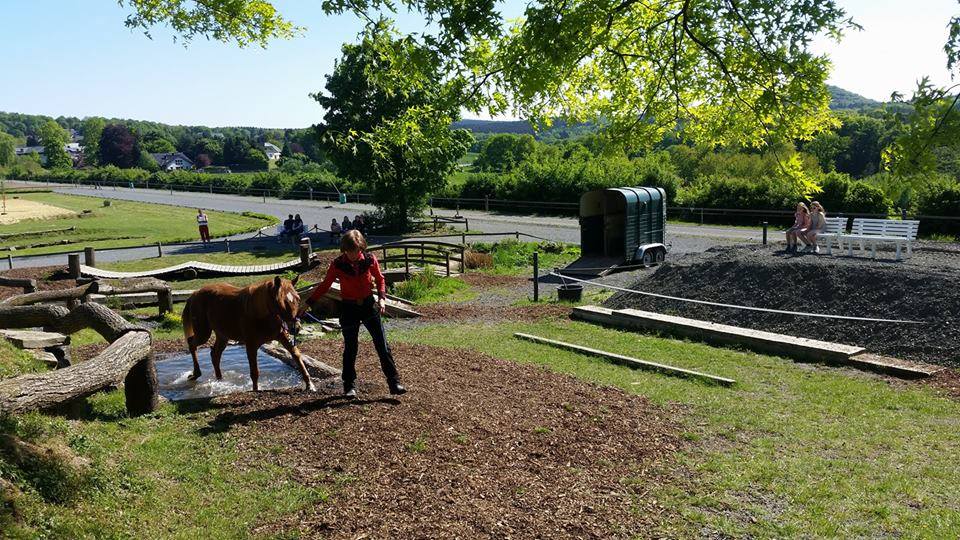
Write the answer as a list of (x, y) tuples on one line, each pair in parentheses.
[(683, 238)]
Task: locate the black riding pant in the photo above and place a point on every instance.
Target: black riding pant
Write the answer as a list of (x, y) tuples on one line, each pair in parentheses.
[(352, 315)]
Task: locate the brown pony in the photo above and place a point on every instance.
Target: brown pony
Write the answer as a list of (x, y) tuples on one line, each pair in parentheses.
[(253, 315)]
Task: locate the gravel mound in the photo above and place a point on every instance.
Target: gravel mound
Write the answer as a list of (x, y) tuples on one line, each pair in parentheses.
[(478, 448), (924, 288)]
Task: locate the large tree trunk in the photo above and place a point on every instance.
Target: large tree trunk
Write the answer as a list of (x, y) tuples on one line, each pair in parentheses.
[(63, 295), (30, 316), (46, 390), (102, 319)]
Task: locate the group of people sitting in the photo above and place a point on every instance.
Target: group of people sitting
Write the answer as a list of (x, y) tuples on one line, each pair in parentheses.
[(292, 227), (808, 223), (337, 229)]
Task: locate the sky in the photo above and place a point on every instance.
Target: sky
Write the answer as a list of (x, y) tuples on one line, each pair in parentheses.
[(76, 58)]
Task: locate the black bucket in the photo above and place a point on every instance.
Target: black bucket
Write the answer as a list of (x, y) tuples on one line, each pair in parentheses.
[(571, 292)]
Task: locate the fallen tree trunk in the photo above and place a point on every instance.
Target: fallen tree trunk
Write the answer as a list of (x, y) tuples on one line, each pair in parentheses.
[(30, 316), (46, 390), (127, 359), (314, 367), (28, 285), (63, 295)]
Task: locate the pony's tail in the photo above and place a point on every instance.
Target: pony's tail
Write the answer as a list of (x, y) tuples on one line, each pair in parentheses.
[(187, 320)]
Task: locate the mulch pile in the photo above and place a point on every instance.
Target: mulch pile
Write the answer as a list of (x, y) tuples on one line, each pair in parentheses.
[(922, 289), (49, 278), (478, 448)]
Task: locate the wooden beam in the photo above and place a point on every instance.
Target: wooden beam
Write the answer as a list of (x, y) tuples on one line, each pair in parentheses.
[(629, 361), (28, 285)]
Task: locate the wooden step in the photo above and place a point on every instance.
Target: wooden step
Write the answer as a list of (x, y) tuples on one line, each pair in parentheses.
[(723, 334), (32, 339)]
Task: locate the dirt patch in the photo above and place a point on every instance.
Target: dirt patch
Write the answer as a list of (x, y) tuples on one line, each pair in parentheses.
[(478, 448), (49, 278), (480, 280), (946, 382), (490, 313), (921, 289), (21, 209)]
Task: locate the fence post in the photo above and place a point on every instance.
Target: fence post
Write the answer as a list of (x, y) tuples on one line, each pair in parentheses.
[(73, 263), (406, 260), (165, 300), (447, 254), (486, 203), (159, 250), (90, 257), (536, 276), (701, 216), (765, 224), (517, 234), (264, 197), (463, 239), (10, 261), (210, 186), (463, 259), (467, 223), (305, 252), (311, 193), (227, 241)]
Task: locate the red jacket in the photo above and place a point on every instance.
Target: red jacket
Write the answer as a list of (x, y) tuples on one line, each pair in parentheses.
[(355, 278)]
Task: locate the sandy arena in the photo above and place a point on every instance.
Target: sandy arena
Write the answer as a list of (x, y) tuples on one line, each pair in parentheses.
[(21, 209)]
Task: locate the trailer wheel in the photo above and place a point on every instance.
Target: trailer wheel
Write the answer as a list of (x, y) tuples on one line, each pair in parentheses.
[(660, 255), (647, 259)]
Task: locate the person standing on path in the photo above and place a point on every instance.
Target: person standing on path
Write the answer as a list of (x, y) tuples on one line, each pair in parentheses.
[(203, 223), (356, 269)]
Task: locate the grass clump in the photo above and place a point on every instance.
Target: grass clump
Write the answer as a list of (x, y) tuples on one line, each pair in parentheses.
[(15, 362), (511, 257), (427, 287)]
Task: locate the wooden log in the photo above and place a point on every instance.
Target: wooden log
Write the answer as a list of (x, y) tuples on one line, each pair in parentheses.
[(90, 257), (75, 293), (28, 285), (314, 367), (628, 361), (46, 390), (31, 316), (141, 387), (102, 319)]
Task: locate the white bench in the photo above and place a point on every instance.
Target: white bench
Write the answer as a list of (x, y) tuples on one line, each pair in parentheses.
[(875, 231), (835, 227)]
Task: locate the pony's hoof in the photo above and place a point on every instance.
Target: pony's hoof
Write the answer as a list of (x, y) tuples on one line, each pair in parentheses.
[(194, 376)]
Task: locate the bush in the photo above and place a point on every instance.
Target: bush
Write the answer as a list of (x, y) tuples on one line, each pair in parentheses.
[(863, 198), (940, 200)]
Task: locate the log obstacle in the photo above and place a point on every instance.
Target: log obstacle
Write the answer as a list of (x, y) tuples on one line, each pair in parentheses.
[(64, 295), (28, 285), (629, 361), (128, 358)]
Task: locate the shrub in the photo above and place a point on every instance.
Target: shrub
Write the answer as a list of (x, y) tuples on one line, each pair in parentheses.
[(863, 198), (940, 200)]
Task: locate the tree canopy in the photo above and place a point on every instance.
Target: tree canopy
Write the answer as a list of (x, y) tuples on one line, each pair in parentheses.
[(54, 138), (397, 139), (723, 71)]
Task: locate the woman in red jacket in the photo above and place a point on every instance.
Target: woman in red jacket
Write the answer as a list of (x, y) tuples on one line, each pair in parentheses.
[(356, 270)]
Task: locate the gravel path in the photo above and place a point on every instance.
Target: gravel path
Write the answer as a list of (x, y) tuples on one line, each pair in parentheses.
[(923, 288)]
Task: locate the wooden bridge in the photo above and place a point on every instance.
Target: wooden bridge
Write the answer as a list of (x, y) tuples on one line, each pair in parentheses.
[(196, 266), (412, 256)]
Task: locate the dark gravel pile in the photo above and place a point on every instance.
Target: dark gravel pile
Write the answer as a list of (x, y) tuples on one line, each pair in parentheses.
[(924, 288), (478, 448)]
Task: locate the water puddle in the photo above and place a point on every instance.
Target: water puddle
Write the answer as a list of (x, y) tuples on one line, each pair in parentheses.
[(173, 372)]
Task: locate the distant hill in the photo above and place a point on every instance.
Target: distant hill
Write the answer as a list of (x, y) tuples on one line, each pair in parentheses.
[(845, 100)]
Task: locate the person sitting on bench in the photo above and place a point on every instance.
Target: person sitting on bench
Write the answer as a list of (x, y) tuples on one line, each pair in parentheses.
[(346, 225), (818, 223), (801, 222), (334, 230), (287, 228), (297, 226)]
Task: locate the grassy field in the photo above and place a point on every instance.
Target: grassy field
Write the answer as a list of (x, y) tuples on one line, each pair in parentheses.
[(123, 223), (791, 451)]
